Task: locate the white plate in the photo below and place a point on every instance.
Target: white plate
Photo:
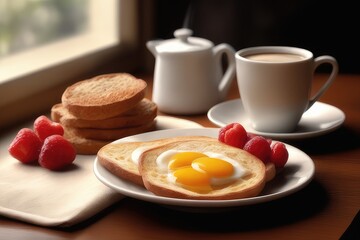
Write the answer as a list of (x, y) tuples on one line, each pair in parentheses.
[(298, 172), (320, 119)]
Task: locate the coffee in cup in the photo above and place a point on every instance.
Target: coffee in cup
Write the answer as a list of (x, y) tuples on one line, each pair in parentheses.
[(275, 85), (275, 57)]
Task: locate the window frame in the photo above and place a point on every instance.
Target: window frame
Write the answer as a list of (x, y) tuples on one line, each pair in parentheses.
[(27, 94)]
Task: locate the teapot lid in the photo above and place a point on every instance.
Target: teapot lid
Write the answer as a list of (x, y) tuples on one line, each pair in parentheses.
[(184, 43)]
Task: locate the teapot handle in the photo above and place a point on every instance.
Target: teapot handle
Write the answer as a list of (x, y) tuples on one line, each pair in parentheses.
[(229, 74)]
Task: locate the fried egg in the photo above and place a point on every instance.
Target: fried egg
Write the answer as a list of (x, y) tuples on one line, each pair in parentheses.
[(199, 171)]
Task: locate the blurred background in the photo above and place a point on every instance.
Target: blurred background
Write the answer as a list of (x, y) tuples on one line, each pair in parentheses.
[(323, 27), (28, 24), (45, 45)]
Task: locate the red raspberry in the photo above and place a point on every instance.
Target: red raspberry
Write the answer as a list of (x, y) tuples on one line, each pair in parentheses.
[(56, 153), (279, 154), (26, 146), (44, 127), (233, 134), (259, 147), (251, 135)]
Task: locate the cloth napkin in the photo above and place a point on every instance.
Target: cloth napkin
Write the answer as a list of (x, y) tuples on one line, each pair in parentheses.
[(39, 196)]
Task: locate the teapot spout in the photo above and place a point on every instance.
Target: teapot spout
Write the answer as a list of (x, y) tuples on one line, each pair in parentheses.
[(151, 45)]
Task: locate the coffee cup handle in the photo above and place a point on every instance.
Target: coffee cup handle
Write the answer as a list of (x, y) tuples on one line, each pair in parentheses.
[(335, 68), (228, 76)]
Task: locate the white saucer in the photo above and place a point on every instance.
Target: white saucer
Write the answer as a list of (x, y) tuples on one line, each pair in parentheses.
[(320, 119), (298, 172)]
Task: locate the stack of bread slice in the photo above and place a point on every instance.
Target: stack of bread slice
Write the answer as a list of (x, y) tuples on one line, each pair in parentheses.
[(99, 110)]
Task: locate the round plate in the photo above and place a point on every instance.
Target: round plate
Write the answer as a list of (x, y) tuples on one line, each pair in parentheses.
[(297, 173), (320, 119)]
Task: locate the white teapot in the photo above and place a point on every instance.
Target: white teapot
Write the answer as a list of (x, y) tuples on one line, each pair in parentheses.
[(188, 75)]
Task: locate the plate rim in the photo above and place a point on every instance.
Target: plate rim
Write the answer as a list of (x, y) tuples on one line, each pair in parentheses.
[(150, 197), (295, 135)]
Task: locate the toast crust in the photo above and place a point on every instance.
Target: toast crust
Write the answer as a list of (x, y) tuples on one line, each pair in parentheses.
[(116, 156), (82, 145), (112, 134), (144, 112), (104, 96), (249, 186), (270, 171)]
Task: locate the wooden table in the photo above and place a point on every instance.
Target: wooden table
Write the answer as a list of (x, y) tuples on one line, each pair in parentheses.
[(322, 210)]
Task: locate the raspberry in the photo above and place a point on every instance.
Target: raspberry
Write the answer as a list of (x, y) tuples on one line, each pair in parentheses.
[(279, 154), (44, 127), (26, 146), (56, 153), (233, 134), (251, 135), (259, 147)]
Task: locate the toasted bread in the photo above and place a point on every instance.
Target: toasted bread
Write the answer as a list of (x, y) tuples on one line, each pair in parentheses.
[(104, 96), (117, 157), (84, 146), (113, 133), (157, 182), (270, 170), (144, 112)]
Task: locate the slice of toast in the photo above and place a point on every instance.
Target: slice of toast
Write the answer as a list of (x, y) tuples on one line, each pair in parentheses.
[(113, 133), (144, 112), (104, 96), (157, 181), (116, 157), (84, 146)]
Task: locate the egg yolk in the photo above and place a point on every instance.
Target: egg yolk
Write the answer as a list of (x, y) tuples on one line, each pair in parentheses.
[(214, 167), (183, 159), (194, 170), (192, 177)]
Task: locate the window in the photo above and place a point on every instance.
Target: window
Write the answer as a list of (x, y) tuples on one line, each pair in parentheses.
[(27, 24), (45, 42)]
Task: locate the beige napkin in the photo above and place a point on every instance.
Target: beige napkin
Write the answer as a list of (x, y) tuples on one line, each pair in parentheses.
[(36, 195), (39, 196)]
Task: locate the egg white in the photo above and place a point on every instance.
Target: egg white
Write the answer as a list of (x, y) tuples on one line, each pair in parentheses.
[(135, 155)]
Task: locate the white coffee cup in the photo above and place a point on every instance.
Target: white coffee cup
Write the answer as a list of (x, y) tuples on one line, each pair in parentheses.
[(275, 85)]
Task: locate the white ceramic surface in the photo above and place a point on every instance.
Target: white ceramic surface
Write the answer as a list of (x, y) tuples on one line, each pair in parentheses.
[(322, 118), (297, 173), (188, 77), (275, 93)]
